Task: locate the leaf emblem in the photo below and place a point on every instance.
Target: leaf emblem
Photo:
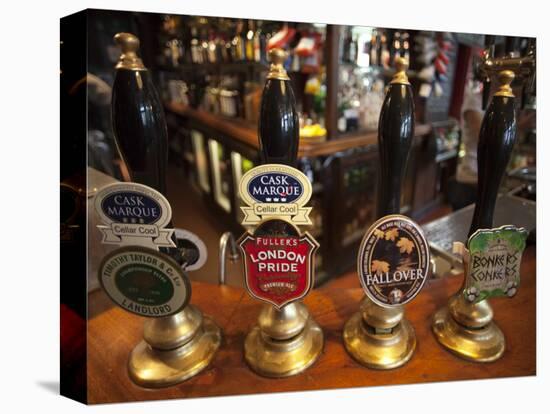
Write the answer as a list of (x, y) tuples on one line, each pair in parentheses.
[(392, 234), (405, 245), (380, 266), (379, 234)]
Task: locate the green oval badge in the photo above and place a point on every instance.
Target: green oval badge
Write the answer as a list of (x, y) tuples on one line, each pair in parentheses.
[(144, 281), (144, 284)]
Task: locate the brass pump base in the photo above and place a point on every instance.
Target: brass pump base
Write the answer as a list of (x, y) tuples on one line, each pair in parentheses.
[(174, 349), (468, 331), (390, 346), (285, 342)]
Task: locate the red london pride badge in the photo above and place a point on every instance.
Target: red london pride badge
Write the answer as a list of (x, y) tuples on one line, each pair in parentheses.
[(279, 262)]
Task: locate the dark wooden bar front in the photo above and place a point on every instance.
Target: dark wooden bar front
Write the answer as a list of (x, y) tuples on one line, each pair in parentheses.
[(112, 333)]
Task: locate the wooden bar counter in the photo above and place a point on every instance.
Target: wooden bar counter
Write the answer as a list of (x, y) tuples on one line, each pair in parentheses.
[(113, 333)]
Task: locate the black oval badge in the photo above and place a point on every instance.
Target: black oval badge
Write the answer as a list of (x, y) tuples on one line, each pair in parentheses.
[(131, 207), (275, 187), (393, 260)]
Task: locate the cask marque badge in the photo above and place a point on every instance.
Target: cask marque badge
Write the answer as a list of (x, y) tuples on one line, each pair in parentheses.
[(393, 260), (493, 261), (277, 191), (278, 262), (134, 214), (144, 281)]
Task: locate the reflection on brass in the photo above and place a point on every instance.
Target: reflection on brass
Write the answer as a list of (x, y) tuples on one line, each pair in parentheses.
[(285, 342), (505, 79), (129, 44), (467, 329), (174, 349), (481, 340), (400, 77), (379, 337), (276, 71), (523, 67)]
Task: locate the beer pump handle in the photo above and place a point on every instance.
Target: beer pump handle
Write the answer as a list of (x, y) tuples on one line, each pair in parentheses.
[(139, 125), (278, 127), (138, 119), (496, 140), (395, 135)]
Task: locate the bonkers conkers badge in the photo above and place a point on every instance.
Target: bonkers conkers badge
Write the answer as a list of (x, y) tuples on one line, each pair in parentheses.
[(275, 190), (278, 262), (493, 262), (134, 214), (144, 281), (393, 260)]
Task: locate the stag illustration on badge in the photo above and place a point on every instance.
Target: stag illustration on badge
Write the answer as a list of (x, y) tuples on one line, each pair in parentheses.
[(493, 259), (394, 260), (134, 214), (279, 262), (275, 190)]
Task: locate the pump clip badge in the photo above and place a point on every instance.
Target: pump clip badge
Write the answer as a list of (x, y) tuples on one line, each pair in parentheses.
[(144, 281), (278, 268), (493, 262), (393, 260), (134, 214), (275, 191)]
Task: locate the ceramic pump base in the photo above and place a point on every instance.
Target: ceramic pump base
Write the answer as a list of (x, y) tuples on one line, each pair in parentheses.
[(150, 366)]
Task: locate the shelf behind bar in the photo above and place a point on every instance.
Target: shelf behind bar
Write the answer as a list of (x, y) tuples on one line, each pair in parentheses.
[(247, 134)]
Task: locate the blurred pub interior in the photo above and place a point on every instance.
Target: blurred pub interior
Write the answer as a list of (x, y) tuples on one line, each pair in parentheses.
[(209, 73)]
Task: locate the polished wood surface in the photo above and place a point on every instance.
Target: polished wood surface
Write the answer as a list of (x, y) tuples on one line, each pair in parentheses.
[(113, 332), (247, 134)]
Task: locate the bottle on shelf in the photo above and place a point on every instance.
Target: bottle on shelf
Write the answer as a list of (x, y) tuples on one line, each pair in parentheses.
[(249, 42), (405, 45), (384, 57), (349, 46), (195, 46), (259, 43), (239, 43), (374, 45), (396, 46), (353, 50), (363, 50), (226, 52), (204, 44), (212, 49)]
